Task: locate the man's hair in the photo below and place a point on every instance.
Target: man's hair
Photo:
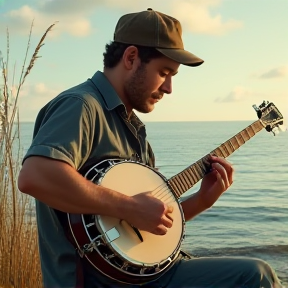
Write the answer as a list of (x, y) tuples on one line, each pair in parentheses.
[(115, 50)]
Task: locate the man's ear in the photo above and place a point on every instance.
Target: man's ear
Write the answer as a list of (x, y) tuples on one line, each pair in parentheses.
[(130, 57)]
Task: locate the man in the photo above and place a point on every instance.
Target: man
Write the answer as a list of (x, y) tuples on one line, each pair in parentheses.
[(95, 121)]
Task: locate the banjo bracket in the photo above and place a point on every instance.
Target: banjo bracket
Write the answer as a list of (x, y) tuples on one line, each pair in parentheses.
[(89, 247)]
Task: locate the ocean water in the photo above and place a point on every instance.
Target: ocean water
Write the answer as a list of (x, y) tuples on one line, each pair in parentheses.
[(251, 218)]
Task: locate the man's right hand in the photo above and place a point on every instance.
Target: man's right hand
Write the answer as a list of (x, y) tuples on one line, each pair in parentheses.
[(150, 214)]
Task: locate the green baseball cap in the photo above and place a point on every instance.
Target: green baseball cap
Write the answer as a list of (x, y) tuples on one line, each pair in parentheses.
[(154, 29)]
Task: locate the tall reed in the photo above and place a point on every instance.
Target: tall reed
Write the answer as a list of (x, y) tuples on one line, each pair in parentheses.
[(19, 260)]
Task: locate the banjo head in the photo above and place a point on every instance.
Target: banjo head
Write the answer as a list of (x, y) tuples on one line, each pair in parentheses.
[(134, 178)]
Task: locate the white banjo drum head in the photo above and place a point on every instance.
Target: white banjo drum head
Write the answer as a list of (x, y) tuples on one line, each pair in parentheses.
[(131, 178)]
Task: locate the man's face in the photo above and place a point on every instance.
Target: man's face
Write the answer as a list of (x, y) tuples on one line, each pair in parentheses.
[(148, 84)]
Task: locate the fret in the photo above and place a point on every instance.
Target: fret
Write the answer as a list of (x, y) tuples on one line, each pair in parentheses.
[(231, 145), (220, 152), (191, 171), (254, 131), (199, 164), (237, 141), (197, 170), (227, 150), (187, 178), (173, 184), (183, 180), (226, 154), (243, 139), (246, 134), (249, 130)]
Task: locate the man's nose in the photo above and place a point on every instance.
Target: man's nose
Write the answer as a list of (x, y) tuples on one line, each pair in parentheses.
[(167, 86)]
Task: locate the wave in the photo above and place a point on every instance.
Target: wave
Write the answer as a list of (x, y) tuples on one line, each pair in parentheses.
[(263, 249), (237, 214)]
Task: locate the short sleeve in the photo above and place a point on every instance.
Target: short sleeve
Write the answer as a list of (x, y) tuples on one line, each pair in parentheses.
[(66, 130)]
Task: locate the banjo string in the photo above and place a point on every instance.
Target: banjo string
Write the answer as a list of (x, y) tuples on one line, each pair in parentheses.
[(163, 193)]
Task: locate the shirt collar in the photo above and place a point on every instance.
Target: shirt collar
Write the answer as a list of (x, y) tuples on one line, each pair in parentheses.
[(107, 91), (110, 97)]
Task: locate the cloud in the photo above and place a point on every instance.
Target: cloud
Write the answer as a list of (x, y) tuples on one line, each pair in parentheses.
[(73, 15), (197, 17), (37, 91), (242, 94), (68, 7), (237, 94), (279, 72), (32, 98), (18, 21)]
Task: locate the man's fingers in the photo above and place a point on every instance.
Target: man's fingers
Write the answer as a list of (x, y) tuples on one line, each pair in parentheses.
[(167, 222), (221, 170), (225, 169), (170, 209), (222, 161), (160, 230), (168, 217)]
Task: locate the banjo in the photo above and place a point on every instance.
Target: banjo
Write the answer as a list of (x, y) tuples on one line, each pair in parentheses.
[(122, 252)]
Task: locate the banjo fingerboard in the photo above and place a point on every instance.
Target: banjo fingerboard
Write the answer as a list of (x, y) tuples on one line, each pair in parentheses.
[(183, 181)]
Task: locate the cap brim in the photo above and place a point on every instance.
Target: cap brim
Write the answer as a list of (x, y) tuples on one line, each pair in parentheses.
[(181, 56)]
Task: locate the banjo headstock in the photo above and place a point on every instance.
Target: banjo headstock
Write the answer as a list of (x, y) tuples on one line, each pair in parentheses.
[(270, 116)]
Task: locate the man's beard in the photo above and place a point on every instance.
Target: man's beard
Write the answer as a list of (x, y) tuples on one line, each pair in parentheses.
[(135, 90)]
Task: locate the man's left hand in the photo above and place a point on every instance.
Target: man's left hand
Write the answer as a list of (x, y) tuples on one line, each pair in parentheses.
[(216, 182)]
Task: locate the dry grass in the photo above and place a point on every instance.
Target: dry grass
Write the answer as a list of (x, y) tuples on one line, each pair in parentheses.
[(19, 260)]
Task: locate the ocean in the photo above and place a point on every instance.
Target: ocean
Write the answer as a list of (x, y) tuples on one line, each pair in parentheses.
[(251, 218)]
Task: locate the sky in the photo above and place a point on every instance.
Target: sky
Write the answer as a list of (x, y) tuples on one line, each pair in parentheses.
[(244, 44)]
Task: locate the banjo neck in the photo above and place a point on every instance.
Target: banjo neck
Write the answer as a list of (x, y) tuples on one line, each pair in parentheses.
[(183, 181)]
